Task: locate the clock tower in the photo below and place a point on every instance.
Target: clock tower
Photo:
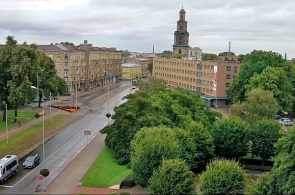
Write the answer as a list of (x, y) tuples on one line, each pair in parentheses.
[(181, 35)]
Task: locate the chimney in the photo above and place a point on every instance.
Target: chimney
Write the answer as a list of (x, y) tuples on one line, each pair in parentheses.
[(153, 49), (85, 42), (285, 56)]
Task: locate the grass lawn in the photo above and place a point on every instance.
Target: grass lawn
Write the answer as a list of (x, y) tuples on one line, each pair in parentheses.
[(105, 171), (17, 138), (22, 117)]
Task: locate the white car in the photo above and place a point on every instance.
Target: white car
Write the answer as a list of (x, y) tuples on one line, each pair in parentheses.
[(285, 122)]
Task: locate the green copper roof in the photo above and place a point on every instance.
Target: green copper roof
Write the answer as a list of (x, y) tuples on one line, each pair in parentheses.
[(177, 45), (182, 10)]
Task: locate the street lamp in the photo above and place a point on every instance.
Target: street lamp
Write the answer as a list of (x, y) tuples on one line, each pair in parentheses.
[(38, 82), (33, 87)]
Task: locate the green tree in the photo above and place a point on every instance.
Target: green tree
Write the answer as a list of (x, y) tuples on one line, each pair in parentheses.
[(152, 85), (10, 41), (281, 178), (263, 135), (148, 148), (204, 146), (241, 57), (223, 177), (167, 52), (260, 104), (209, 56), (255, 62), (226, 53), (150, 67), (230, 137), (125, 54), (275, 80), (173, 177)]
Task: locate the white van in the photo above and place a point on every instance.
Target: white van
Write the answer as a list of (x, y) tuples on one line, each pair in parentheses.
[(8, 167)]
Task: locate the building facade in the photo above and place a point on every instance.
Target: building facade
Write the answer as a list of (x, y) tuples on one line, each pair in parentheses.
[(143, 62), (209, 79), (84, 66), (131, 71), (181, 35)]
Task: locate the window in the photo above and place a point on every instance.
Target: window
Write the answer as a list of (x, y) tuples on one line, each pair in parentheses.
[(227, 84), (199, 82), (66, 56), (66, 73), (228, 68), (66, 65), (200, 67), (235, 69), (228, 76), (234, 76), (57, 64), (58, 56)]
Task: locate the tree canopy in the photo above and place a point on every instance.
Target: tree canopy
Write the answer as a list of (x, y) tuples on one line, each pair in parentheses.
[(281, 179), (209, 56), (173, 177), (223, 177), (151, 107), (264, 134), (255, 62), (260, 104), (230, 137)]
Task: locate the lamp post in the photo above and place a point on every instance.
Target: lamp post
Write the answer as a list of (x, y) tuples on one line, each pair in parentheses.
[(33, 87), (38, 83)]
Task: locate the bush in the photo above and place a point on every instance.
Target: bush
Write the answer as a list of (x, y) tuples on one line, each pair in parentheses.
[(173, 177), (223, 177), (128, 181)]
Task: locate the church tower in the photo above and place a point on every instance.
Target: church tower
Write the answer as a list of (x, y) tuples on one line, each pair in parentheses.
[(181, 35)]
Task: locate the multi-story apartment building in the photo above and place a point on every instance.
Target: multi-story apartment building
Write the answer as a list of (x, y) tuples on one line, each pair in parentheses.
[(210, 79), (176, 72), (84, 66)]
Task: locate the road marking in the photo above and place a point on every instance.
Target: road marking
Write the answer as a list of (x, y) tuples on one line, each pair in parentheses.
[(4, 186), (56, 151)]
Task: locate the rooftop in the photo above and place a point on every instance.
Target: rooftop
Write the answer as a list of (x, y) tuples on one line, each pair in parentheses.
[(130, 65)]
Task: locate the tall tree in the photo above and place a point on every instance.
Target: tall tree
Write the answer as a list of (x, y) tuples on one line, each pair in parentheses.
[(264, 134), (253, 63), (150, 67), (281, 179), (148, 148), (260, 104), (230, 137), (10, 41), (275, 80)]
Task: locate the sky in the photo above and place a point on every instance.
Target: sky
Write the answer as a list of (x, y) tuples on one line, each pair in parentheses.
[(137, 25)]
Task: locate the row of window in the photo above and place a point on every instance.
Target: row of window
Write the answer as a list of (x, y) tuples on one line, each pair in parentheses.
[(176, 70), (176, 77), (185, 64), (190, 87)]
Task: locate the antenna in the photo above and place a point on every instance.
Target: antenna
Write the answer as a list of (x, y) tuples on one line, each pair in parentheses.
[(229, 46)]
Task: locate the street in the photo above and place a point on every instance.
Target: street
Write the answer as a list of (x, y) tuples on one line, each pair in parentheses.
[(62, 148)]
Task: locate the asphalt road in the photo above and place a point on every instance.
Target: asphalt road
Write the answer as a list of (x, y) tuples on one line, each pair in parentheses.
[(62, 148)]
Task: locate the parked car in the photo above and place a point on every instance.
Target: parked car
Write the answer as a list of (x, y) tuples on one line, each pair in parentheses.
[(283, 113), (285, 122), (32, 161)]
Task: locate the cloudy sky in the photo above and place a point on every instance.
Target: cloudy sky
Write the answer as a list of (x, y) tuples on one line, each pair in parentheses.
[(137, 25)]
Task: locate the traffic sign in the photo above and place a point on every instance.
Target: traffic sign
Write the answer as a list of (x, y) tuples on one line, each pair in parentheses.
[(40, 178), (87, 132)]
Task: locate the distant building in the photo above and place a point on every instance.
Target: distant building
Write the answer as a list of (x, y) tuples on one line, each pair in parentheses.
[(84, 66), (209, 79), (143, 62), (131, 71)]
